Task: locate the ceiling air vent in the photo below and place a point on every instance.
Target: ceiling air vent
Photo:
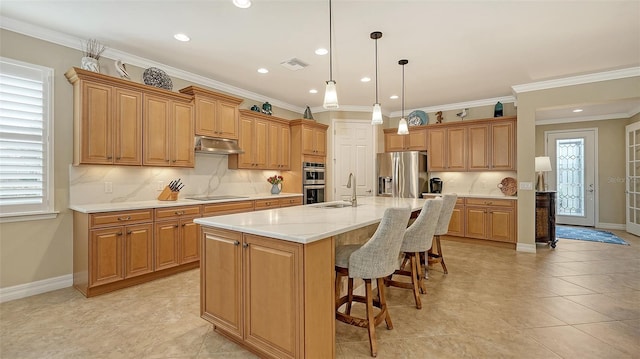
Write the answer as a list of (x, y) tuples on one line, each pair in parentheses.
[(294, 64)]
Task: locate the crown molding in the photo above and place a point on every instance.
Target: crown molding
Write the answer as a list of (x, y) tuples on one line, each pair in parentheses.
[(76, 43), (610, 116), (577, 80), (461, 105)]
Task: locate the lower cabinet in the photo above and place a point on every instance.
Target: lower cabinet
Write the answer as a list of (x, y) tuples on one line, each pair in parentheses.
[(260, 292), (490, 219), (457, 221), (176, 236)]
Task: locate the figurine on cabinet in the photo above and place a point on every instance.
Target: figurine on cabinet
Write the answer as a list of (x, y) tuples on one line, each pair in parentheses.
[(439, 117), (266, 108)]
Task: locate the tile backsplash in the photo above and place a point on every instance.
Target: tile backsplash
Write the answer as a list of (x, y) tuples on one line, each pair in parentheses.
[(209, 177), (480, 183)]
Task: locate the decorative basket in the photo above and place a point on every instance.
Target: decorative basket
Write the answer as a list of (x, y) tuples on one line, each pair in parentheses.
[(508, 186)]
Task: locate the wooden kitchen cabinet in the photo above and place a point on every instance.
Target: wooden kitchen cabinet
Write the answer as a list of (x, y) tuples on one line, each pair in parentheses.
[(279, 146), (261, 204), (176, 239), (491, 219), (216, 114), (107, 120), (168, 131), (254, 132), (314, 138), (492, 146), (447, 148), (416, 140), (252, 290)]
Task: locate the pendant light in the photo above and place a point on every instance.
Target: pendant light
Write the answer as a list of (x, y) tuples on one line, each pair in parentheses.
[(330, 94), (403, 128), (376, 117)]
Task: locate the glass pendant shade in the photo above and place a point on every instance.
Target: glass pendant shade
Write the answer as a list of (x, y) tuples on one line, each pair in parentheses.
[(376, 118), (330, 96), (403, 128)]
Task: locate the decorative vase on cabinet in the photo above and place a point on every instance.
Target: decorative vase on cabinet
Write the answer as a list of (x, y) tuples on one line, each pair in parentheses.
[(276, 188)]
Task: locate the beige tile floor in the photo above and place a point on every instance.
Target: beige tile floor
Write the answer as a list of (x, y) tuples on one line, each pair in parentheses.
[(581, 300)]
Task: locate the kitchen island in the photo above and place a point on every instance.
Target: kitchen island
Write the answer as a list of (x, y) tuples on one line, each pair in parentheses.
[(267, 278)]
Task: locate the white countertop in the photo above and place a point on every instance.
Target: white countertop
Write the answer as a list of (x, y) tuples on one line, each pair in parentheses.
[(306, 224), (124, 206), (468, 195)]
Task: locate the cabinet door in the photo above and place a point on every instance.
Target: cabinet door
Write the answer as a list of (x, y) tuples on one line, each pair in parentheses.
[(476, 222), (503, 147), (478, 147), (274, 150), (106, 251), (138, 250), (260, 142), (166, 240), (227, 120), (245, 160), (393, 142), (221, 287), (456, 224), (128, 127), (189, 241), (183, 154), (96, 124), (501, 225), (436, 158), (320, 142), (273, 281), (206, 110), (156, 129), (285, 148), (456, 149), (417, 140)]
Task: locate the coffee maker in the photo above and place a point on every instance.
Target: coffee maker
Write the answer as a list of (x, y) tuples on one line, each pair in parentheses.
[(435, 185)]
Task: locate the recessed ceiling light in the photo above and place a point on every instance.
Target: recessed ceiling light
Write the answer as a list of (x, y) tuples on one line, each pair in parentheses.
[(181, 37), (243, 4), (577, 110), (262, 70), (313, 91), (393, 97), (365, 79), (322, 51)]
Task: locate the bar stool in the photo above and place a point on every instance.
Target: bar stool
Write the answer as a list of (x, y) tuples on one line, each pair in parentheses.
[(449, 202), (417, 239), (375, 259)]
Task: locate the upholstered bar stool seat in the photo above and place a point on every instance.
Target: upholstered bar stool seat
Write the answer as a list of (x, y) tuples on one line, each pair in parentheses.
[(417, 239), (374, 260), (448, 204)]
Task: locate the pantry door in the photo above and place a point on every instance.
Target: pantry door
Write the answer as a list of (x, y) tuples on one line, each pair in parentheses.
[(574, 164), (353, 152), (633, 178)]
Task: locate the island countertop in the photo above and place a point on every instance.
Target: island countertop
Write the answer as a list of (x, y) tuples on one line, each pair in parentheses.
[(309, 223)]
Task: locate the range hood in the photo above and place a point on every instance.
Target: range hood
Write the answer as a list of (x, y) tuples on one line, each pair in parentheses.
[(217, 146)]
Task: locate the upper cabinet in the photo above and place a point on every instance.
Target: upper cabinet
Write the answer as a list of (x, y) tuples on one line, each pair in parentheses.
[(313, 137), (216, 114), (416, 140), (265, 140), (120, 122), (447, 148)]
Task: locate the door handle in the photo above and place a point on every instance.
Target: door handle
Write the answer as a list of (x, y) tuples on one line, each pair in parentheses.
[(590, 188)]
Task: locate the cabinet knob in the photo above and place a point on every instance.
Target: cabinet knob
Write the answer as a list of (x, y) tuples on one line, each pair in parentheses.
[(109, 157), (245, 245), (118, 158), (119, 233), (129, 232), (179, 213), (174, 161), (235, 243), (124, 218), (176, 226)]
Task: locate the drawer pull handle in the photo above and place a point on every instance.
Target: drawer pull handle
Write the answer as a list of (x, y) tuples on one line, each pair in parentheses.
[(124, 218), (179, 213)]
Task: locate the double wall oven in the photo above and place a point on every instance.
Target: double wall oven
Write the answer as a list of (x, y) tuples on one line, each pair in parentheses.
[(313, 182)]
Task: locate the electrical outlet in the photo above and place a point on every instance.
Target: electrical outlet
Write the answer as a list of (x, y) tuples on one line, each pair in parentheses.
[(108, 187), (159, 186), (526, 185)]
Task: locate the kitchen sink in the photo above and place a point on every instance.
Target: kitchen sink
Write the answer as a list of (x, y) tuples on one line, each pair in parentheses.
[(335, 205), (215, 198)]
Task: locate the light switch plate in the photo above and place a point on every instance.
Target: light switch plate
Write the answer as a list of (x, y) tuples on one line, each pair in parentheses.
[(526, 185)]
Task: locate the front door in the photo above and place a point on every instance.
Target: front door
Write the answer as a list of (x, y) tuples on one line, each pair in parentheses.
[(633, 178), (573, 160), (353, 152)]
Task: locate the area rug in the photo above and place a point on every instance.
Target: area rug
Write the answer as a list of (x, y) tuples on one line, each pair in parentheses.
[(588, 234)]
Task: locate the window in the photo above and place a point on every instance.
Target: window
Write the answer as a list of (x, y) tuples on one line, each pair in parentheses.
[(26, 149)]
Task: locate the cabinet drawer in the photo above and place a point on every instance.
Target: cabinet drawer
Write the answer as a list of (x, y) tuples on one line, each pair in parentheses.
[(490, 202), (117, 218), (177, 212), (293, 201), (267, 204), (216, 209), (459, 200)]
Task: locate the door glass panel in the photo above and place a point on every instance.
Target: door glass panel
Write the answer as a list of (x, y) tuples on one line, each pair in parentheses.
[(570, 176), (637, 139)]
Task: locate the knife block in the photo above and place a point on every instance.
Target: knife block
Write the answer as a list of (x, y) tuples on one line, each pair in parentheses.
[(168, 195)]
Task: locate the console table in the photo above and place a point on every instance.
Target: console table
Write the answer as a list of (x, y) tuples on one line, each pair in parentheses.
[(546, 217)]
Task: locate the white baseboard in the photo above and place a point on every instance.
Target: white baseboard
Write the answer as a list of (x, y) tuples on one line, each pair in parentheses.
[(523, 247), (33, 288), (617, 226)]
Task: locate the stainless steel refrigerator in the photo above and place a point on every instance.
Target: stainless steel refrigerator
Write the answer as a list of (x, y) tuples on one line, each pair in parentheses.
[(402, 174)]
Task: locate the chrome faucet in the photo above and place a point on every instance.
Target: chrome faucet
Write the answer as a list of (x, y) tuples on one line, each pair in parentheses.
[(354, 199)]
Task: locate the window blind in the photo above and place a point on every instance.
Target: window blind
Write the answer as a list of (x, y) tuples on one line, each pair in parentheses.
[(24, 132)]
